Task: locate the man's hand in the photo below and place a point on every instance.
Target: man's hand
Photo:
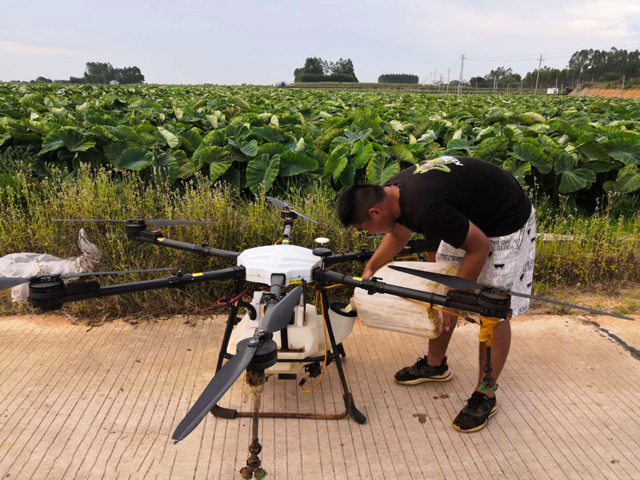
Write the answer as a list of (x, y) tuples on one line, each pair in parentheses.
[(391, 245), (367, 273)]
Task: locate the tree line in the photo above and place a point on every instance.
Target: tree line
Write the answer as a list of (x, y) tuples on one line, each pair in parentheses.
[(317, 70), (97, 72), (586, 65), (398, 78)]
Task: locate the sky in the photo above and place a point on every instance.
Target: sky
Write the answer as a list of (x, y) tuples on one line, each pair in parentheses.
[(262, 42)]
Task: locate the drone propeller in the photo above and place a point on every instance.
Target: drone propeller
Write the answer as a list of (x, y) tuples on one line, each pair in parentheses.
[(9, 282), (154, 223), (461, 283), (276, 318), (280, 204)]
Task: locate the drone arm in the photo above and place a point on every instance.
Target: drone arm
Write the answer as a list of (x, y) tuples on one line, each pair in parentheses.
[(204, 250), (454, 299), (85, 291), (413, 247)]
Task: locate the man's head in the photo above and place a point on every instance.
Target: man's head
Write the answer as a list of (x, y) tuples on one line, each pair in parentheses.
[(368, 207)]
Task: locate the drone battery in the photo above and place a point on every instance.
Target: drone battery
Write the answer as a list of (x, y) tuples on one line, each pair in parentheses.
[(389, 312)]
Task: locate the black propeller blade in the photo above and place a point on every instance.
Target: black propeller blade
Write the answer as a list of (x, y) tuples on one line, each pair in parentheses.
[(461, 283), (9, 282), (448, 280), (280, 204), (276, 318), (218, 386), (155, 223)]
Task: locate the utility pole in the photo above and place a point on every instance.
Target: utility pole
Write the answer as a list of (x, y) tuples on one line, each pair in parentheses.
[(495, 83), (521, 86), (622, 89), (538, 75), (556, 90), (448, 73), (507, 88), (461, 74), (435, 75)]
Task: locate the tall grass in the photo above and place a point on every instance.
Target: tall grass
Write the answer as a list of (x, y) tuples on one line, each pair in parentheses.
[(605, 246), (29, 207)]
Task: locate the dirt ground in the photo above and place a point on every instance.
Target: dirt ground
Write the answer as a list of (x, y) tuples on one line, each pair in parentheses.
[(607, 92)]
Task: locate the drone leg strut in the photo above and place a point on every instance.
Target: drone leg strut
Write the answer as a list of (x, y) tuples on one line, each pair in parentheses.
[(349, 404), (256, 379)]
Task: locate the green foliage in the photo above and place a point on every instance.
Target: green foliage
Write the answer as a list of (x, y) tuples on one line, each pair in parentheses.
[(398, 78), (336, 77), (578, 146)]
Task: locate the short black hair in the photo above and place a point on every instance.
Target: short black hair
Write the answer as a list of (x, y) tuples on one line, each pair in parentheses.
[(355, 201)]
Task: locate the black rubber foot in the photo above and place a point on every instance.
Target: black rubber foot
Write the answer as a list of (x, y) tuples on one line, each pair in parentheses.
[(221, 412), (353, 412), (341, 351)]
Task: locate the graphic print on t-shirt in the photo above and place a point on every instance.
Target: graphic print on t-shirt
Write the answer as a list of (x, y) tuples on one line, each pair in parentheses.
[(439, 163)]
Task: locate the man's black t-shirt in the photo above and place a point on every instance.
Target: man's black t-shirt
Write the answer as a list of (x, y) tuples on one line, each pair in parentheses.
[(439, 197)]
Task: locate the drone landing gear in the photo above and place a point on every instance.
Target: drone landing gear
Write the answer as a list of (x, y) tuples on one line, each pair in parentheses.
[(335, 353)]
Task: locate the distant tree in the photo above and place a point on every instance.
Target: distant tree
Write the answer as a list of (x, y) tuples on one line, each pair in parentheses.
[(43, 80), (314, 66), (76, 80), (97, 72), (129, 75)]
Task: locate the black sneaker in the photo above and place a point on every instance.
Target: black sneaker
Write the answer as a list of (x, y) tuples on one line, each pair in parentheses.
[(423, 372), (476, 414)]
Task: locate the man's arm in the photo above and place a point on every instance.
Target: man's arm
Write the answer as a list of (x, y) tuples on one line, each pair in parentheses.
[(391, 245), (477, 247)]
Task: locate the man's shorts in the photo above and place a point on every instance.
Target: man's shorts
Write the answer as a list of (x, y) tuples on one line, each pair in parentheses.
[(509, 265)]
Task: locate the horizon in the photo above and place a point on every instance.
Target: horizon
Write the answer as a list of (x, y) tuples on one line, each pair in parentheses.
[(262, 44)]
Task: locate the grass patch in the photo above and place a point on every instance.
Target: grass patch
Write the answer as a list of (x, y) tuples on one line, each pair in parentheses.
[(605, 248)]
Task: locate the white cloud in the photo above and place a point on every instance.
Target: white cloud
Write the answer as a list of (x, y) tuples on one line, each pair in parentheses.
[(15, 47)]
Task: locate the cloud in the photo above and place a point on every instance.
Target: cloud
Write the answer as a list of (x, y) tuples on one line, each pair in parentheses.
[(15, 47)]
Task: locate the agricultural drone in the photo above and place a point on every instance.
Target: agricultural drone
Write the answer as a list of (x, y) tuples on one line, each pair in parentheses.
[(280, 332)]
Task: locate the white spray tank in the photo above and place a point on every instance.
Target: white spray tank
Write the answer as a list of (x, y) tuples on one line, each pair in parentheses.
[(389, 312)]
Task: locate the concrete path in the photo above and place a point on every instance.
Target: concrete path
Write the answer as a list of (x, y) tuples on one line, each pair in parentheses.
[(102, 403)]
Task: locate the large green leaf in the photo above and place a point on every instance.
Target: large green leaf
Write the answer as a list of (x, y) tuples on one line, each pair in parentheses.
[(490, 147), (347, 177), (400, 153), (574, 180), (219, 167), (188, 169), (518, 169), (334, 166), (250, 149), (125, 133), (114, 151), (624, 150), (262, 172), (233, 177), (211, 154), (190, 140), (292, 164), (51, 142), (135, 158), (525, 152), (327, 137), (172, 140), (460, 144), (628, 180), (362, 154), (381, 169), (75, 141), (268, 133), (594, 151)]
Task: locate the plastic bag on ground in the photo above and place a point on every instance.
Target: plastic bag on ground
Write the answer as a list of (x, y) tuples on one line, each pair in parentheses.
[(33, 264)]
